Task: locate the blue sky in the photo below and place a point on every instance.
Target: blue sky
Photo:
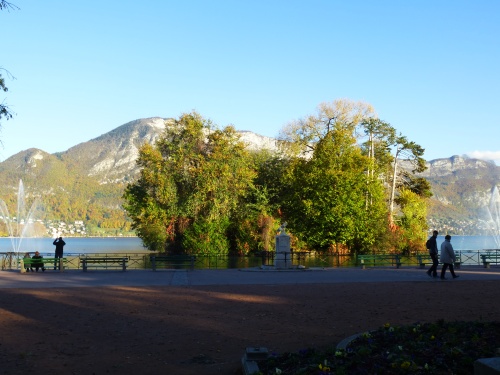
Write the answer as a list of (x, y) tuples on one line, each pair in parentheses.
[(83, 68)]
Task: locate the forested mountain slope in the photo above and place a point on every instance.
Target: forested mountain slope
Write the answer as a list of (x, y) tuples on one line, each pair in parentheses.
[(462, 189)]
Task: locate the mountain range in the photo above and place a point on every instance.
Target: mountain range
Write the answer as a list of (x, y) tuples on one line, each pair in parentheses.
[(86, 181)]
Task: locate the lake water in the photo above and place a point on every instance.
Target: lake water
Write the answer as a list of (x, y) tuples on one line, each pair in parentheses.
[(471, 242), (79, 245), (469, 247)]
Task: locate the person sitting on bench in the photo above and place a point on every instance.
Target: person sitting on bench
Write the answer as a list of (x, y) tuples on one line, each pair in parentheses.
[(27, 267), (39, 263)]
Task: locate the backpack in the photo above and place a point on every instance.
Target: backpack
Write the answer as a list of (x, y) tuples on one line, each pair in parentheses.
[(428, 244)]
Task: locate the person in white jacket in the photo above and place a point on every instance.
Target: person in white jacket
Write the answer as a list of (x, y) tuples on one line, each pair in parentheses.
[(447, 257)]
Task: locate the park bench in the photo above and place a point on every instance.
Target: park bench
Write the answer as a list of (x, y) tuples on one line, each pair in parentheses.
[(104, 262), (47, 263), (426, 260), (488, 258), (172, 261), (379, 260)]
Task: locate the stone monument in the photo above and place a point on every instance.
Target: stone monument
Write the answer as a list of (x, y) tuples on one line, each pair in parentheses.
[(283, 258)]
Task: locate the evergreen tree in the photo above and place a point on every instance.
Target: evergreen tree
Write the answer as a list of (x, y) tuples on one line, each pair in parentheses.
[(327, 206)]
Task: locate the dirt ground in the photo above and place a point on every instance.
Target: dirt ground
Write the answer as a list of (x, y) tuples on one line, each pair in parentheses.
[(205, 330)]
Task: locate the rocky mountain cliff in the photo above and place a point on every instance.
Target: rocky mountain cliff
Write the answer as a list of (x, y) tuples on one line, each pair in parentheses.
[(111, 157), (91, 177)]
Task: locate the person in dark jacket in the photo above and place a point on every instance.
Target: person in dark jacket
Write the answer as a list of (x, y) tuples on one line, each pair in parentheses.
[(38, 262), (433, 252), (59, 249)]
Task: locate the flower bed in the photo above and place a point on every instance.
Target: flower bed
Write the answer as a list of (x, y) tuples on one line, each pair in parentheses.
[(430, 348)]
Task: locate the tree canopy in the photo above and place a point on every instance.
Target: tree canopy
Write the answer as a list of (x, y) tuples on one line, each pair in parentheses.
[(5, 112), (348, 179), (337, 182), (6, 5), (191, 184)]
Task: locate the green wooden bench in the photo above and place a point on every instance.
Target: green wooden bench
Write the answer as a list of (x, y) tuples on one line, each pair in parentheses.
[(426, 260), (172, 261), (104, 262), (379, 260), (489, 258), (55, 263)]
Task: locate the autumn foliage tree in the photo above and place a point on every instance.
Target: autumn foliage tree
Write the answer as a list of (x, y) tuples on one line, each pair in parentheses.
[(191, 183)]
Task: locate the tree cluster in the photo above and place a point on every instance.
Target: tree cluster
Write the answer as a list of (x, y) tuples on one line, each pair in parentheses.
[(336, 181)]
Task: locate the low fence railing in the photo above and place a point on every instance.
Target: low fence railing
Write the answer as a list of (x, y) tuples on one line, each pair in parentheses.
[(141, 260)]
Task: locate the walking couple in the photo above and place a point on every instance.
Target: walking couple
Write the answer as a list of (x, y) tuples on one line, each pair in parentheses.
[(447, 256)]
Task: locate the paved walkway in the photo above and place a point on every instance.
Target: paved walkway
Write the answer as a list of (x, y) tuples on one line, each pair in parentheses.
[(75, 278)]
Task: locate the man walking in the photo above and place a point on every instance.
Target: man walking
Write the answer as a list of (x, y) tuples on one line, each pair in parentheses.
[(59, 249), (447, 257), (433, 252)]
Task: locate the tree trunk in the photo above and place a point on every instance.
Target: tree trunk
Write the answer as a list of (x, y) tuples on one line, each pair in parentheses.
[(393, 188)]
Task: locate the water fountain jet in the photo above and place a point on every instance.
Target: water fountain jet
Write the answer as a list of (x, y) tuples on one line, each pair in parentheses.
[(494, 215), (21, 228)]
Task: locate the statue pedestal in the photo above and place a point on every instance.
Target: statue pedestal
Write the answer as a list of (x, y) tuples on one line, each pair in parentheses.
[(283, 258)]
